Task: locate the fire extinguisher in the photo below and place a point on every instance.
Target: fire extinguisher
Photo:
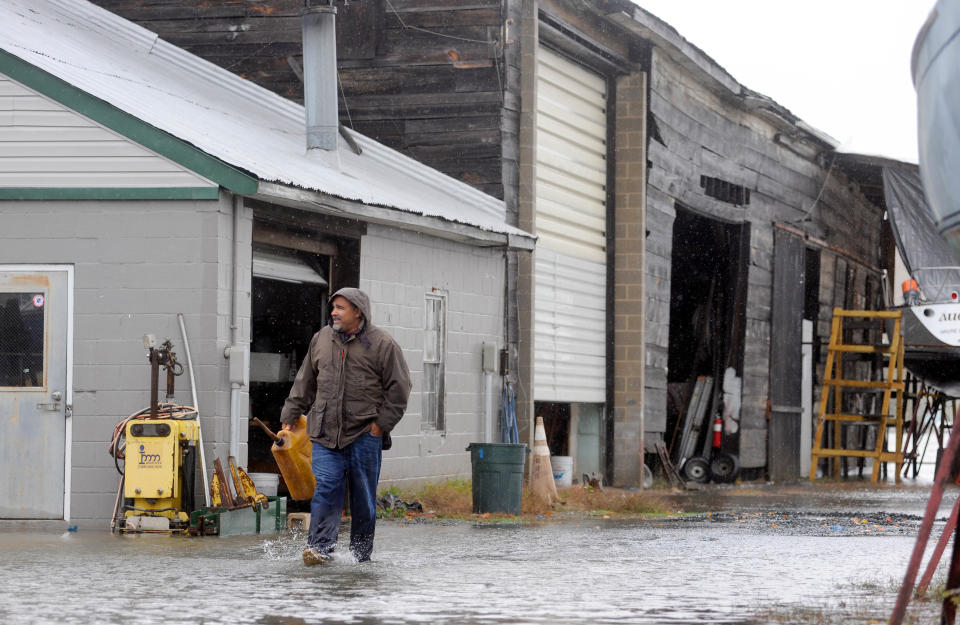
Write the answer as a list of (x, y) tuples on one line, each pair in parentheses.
[(724, 467)]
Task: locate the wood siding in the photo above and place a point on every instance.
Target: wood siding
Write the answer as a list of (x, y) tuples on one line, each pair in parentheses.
[(427, 78), (785, 367), (702, 134), (45, 145)]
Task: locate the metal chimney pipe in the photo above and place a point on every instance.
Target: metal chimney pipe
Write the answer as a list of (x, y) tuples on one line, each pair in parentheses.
[(320, 77)]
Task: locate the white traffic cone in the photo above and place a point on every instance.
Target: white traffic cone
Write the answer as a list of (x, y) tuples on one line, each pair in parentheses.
[(541, 476)]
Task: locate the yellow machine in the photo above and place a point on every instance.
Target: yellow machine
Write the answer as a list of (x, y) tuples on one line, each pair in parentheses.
[(158, 447), (159, 473)]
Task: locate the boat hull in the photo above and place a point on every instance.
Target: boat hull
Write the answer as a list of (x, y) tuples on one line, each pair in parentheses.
[(931, 337)]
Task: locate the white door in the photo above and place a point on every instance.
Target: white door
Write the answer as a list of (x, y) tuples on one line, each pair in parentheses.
[(34, 313)]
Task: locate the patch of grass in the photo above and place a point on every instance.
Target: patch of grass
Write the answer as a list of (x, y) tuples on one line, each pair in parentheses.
[(611, 501), (860, 603), (856, 612), (453, 499)]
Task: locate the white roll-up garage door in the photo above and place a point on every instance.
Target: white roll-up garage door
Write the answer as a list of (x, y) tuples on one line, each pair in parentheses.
[(571, 270)]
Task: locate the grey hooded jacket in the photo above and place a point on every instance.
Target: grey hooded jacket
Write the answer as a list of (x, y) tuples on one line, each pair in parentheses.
[(346, 383)]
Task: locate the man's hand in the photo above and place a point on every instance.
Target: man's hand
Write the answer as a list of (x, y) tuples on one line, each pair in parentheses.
[(287, 426), (375, 430)]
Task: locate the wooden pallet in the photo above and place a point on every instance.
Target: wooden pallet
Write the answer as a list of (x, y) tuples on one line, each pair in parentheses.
[(834, 385)]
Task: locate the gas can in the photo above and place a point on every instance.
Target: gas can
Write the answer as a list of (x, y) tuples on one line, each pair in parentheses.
[(293, 452)]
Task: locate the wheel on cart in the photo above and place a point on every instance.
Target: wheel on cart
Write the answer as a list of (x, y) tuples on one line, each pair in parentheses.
[(697, 469), (724, 467)]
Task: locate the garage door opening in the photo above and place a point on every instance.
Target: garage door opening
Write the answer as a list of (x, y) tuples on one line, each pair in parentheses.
[(575, 430), (290, 291), (707, 322)]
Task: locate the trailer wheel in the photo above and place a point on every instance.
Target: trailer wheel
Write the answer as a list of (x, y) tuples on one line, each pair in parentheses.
[(724, 467), (697, 469)]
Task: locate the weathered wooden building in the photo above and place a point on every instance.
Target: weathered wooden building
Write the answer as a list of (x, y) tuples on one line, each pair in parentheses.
[(687, 225)]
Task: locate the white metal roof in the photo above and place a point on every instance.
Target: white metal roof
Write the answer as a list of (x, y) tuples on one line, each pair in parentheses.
[(225, 115)]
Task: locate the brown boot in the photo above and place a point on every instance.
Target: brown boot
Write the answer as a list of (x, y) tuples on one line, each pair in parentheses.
[(311, 557)]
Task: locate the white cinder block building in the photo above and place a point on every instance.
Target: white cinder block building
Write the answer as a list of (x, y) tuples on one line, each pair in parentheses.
[(138, 182)]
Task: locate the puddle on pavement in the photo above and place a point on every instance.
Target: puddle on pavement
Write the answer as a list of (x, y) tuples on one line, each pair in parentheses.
[(853, 497), (595, 572)]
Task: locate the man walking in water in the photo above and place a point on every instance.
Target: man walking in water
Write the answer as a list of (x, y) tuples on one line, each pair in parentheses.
[(355, 383)]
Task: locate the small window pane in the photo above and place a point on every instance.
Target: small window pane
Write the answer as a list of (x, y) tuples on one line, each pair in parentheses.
[(430, 397), (431, 347), (434, 308), (433, 365), (21, 339), (433, 330)]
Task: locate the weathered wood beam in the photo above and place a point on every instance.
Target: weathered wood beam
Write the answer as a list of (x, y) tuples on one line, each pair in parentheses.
[(284, 238)]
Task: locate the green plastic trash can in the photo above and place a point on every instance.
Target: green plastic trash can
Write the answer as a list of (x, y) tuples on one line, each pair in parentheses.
[(497, 470)]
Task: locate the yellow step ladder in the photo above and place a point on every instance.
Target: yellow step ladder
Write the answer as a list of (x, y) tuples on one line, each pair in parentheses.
[(835, 385)]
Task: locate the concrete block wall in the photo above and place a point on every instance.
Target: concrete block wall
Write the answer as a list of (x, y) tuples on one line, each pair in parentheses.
[(523, 370), (398, 269), (137, 264), (629, 296)]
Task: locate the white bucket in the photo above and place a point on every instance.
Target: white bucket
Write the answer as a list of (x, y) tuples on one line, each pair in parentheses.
[(562, 470), (266, 483)]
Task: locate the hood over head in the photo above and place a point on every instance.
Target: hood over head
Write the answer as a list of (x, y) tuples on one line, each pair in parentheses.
[(356, 297)]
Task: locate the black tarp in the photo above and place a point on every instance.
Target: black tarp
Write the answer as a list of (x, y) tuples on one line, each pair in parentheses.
[(924, 251)]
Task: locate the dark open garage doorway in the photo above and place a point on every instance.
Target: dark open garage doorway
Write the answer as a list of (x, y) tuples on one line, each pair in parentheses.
[(708, 293)]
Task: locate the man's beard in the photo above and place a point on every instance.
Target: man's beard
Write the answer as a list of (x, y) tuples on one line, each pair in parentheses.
[(337, 326)]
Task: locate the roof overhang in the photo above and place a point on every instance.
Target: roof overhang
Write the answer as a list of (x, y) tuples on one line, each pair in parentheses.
[(867, 171), (648, 26), (644, 25), (317, 202)]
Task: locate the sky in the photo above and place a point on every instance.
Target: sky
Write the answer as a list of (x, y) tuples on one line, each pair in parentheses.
[(842, 66)]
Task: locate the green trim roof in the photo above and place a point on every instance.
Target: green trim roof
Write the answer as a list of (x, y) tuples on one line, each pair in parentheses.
[(109, 193), (128, 126)]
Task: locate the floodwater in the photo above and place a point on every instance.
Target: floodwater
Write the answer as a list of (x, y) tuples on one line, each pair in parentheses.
[(718, 567)]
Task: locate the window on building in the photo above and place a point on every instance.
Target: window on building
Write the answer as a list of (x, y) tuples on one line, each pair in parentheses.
[(21, 339), (735, 194), (434, 350)]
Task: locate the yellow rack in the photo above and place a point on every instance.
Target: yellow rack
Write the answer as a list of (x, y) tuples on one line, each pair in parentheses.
[(834, 382)]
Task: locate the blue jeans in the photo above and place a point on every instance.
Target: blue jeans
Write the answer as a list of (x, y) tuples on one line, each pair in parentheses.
[(357, 464)]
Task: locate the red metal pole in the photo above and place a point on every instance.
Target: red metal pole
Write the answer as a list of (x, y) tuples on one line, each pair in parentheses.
[(936, 495), (938, 551), (948, 610)]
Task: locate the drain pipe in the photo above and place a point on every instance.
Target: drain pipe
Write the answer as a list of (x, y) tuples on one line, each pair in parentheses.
[(234, 353)]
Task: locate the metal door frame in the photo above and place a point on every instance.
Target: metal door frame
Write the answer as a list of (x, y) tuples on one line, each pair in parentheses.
[(68, 404)]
